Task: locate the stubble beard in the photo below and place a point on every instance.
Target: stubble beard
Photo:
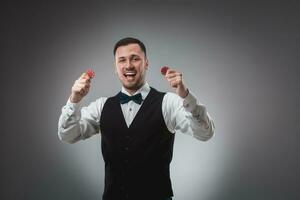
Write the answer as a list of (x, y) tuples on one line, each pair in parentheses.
[(134, 86)]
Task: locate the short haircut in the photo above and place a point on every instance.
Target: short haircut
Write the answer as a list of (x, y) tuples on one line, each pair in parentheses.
[(127, 41)]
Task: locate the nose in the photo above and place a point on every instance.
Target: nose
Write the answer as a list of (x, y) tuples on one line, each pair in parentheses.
[(128, 65)]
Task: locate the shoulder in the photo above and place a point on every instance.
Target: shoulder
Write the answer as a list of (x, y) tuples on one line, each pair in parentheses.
[(101, 100), (98, 103)]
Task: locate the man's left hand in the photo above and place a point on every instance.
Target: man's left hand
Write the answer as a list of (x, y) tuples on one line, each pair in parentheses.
[(175, 79)]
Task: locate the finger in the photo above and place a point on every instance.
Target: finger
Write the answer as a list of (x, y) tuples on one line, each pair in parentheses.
[(172, 75), (83, 91), (84, 85), (174, 78), (175, 83), (84, 76), (84, 81), (87, 87), (80, 84), (78, 87), (87, 78), (170, 71)]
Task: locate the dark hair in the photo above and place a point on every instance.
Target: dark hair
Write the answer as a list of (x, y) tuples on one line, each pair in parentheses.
[(129, 40)]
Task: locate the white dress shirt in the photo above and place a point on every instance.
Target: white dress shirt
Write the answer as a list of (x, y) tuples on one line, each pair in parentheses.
[(181, 115)]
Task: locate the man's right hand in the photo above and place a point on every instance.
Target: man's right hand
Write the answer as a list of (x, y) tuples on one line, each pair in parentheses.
[(80, 88)]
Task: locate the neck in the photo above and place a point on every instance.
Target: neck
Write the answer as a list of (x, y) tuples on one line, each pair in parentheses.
[(130, 91), (133, 90)]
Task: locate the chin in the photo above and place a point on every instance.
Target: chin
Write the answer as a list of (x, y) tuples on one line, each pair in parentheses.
[(132, 86)]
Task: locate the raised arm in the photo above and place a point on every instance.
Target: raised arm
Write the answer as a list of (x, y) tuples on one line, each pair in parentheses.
[(182, 111), (77, 123)]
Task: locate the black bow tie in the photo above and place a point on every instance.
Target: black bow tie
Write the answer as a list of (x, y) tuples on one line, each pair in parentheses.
[(124, 98)]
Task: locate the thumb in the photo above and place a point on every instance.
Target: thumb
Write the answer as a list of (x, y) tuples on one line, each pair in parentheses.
[(84, 75)]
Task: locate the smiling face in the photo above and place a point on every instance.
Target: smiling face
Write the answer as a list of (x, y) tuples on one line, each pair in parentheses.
[(131, 65)]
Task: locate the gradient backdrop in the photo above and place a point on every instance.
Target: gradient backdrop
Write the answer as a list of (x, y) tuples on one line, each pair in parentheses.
[(240, 59)]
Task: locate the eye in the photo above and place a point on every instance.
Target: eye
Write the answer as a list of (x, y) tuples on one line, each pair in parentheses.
[(136, 59)]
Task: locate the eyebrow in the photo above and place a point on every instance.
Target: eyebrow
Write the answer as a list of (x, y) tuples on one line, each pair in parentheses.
[(132, 55)]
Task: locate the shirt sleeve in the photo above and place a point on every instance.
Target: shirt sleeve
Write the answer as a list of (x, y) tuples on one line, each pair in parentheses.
[(79, 123), (187, 116)]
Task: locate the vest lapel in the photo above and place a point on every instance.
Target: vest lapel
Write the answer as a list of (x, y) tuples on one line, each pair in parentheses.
[(145, 104), (120, 112)]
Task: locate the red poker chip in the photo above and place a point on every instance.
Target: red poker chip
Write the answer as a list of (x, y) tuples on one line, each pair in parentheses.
[(164, 70), (90, 73)]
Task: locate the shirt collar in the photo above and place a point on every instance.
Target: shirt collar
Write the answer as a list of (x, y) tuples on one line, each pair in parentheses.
[(144, 90)]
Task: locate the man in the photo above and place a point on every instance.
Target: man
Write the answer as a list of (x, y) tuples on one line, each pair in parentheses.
[(137, 126)]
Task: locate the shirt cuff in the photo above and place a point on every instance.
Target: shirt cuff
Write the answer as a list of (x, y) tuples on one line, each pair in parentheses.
[(189, 102), (73, 107)]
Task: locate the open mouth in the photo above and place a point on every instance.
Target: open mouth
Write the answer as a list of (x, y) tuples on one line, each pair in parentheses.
[(130, 74)]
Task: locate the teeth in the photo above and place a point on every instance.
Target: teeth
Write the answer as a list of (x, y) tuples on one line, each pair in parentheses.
[(129, 74)]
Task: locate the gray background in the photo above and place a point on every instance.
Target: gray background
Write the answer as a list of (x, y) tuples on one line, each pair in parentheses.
[(240, 59)]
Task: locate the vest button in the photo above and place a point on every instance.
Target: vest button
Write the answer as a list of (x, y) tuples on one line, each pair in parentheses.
[(126, 148)]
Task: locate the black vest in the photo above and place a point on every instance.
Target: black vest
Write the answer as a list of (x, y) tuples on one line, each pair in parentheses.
[(137, 158)]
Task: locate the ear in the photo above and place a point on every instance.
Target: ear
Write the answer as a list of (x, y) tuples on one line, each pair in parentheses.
[(147, 64)]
